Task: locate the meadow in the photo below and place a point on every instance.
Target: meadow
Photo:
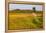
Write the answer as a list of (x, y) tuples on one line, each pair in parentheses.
[(24, 19)]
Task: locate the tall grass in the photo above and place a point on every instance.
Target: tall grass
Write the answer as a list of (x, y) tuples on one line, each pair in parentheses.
[(24, 21)]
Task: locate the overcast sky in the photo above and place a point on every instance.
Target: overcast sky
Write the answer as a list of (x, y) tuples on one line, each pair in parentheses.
[(24, 6)]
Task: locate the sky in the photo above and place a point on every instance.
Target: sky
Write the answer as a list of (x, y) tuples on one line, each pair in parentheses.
[(24, 6)]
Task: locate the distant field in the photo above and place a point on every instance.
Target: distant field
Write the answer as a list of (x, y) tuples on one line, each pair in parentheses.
[(18, 21)]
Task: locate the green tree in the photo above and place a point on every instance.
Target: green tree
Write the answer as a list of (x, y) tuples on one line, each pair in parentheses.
[(34, 9)]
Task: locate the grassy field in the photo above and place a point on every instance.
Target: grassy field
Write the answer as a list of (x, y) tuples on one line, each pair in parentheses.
[(18, 21)]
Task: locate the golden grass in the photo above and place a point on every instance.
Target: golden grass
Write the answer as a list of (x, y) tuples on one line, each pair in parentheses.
[(22, 21)]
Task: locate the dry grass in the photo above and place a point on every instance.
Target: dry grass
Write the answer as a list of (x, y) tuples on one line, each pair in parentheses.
[(23, 21)]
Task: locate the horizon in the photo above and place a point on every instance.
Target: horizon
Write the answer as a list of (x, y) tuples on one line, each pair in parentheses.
[(24, 7)]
